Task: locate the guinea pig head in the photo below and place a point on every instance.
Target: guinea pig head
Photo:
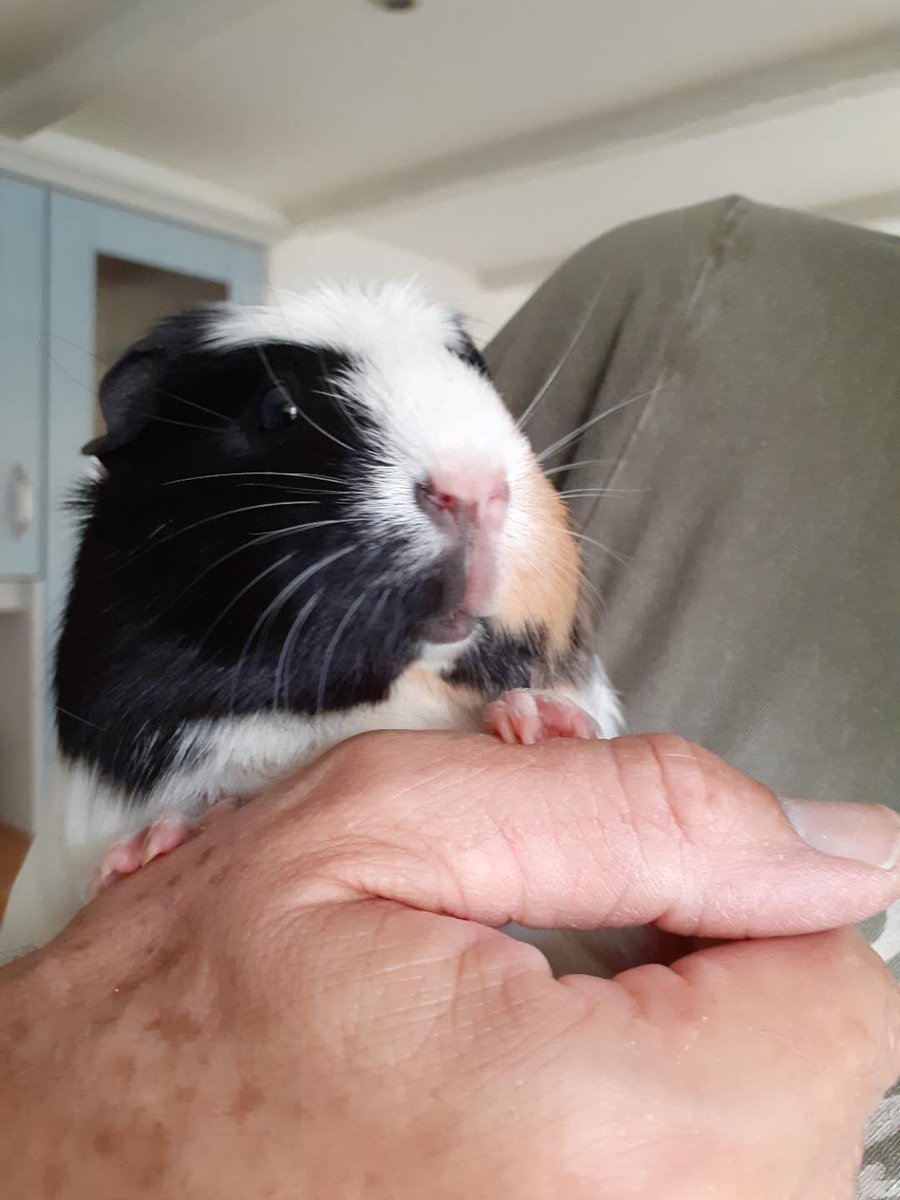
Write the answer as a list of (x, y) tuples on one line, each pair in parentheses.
[(319, 494)]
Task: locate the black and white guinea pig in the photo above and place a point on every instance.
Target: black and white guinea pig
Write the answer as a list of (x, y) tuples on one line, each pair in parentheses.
[(313, 519)]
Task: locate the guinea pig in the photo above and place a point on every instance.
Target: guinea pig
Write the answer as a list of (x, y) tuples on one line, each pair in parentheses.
[(312, 519)]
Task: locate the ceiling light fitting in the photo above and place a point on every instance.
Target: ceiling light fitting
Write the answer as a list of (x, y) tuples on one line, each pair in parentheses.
[(395, 5)]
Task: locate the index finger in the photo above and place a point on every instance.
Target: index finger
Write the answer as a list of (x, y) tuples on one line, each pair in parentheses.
[(637, 830)]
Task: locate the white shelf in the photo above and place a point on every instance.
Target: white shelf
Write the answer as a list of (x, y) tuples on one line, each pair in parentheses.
[(15, 595), (23, 709)]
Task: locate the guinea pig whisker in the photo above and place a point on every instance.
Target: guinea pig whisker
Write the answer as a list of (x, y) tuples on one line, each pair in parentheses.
[(298, 491), (271, 534), (248, 545), (333, 394), (246, 474), (591, 587), (300, 412), (232, 512), (273, 608), (603, 491), (359, 662), (206, 571), (324, 432), (238, 596), (620, 558), (181, 424), (264, 359), (235, 599), (391, 573), (557, 560), (288, 647), (551, 378), (375, 611), (332, 646), (351, 421), (193, 404), (107, 364), (83, 720), (89, 388), (579, 429), (584, 462), (583, 537)]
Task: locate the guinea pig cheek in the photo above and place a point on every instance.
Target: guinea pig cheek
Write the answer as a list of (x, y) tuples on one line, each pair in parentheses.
[(540, 577)]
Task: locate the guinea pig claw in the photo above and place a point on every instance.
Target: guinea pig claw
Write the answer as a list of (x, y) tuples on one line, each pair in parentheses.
[(128, 856), (524, 717)]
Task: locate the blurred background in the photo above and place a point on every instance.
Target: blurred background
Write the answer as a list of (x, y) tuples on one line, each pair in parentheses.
[(156, 153)]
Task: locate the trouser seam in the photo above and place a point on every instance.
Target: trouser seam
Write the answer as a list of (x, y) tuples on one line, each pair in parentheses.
[(719, 244)]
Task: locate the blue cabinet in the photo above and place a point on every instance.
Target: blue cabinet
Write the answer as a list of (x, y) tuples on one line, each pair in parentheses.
[(23, 250), (79, 281), (111, 274)]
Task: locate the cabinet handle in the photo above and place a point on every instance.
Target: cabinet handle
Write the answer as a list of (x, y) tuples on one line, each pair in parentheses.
[(22, 500)]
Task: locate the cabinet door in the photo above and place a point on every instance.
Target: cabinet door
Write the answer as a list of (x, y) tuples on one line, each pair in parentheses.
[(112, 273), (22, 340)]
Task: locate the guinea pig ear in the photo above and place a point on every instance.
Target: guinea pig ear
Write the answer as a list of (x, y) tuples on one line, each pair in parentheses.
[(127, 397)]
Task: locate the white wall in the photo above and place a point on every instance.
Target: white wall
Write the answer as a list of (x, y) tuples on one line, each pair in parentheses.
[(303, 259), (886, 225)]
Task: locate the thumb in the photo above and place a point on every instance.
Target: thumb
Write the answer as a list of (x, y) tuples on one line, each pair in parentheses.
[(568, 833)]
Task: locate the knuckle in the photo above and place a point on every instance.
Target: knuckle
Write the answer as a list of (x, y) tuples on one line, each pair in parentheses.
[(680, 817), (667, 788)]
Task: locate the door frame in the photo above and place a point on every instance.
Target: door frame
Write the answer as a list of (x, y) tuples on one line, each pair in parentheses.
[(80, 230)]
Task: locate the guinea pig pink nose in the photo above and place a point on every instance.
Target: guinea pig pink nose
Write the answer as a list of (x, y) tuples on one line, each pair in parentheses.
[(456, 499)]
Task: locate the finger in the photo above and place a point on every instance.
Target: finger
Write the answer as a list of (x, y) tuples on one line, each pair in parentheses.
[(785, 1043), (585, 834)]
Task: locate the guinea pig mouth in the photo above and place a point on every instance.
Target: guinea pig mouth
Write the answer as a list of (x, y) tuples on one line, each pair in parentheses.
[(454, 626), (464, 588), (452, 617)]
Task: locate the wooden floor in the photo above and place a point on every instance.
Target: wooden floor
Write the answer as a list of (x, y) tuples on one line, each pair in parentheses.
[(12, 850)]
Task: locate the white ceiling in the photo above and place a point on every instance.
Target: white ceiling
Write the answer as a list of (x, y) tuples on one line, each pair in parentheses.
[(457, 128), (302, 98), (34, 31)]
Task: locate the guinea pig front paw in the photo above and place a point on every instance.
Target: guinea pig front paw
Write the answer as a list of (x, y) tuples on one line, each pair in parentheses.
[(524, 717), (130, 854)]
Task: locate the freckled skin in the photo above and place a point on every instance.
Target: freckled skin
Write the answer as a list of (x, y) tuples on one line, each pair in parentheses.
[(148, 1147), (53, 1180), (247, 1100), (18, 1030), (106, 1141), (364, 1030), (176, 1027), (122, 1068)]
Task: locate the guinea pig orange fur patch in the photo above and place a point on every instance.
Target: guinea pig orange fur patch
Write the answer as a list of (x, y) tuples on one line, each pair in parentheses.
[(540, 584)]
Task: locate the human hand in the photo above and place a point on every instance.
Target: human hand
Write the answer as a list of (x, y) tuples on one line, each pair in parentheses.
[(310, 998)]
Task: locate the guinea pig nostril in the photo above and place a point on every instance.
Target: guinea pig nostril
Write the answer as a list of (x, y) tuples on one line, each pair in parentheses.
[(442, 499), (433, 501)]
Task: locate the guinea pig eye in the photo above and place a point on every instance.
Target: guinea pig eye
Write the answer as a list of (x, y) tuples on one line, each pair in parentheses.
[(277, 408)]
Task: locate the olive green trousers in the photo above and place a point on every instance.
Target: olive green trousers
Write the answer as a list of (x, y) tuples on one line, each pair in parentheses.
[(733, 371)]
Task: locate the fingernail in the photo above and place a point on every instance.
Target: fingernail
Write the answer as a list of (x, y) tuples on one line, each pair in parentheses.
[(869, 833)]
